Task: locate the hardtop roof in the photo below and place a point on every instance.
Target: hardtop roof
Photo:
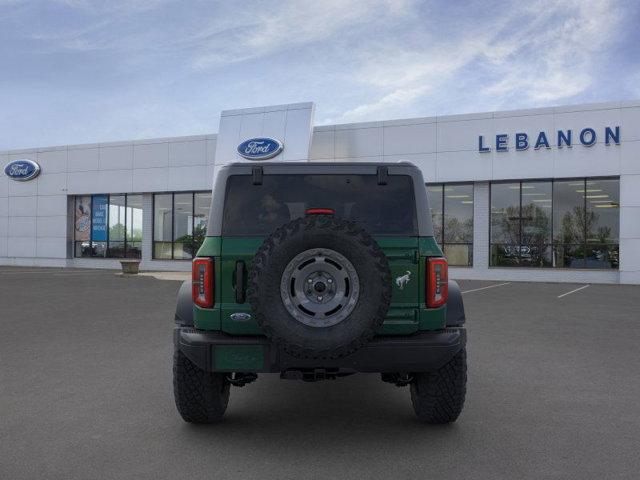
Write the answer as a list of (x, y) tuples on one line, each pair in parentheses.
[(425, 227)]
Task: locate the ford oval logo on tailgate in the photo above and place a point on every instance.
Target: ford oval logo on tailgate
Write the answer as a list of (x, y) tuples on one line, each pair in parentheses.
[(260, 148), (22, 170)]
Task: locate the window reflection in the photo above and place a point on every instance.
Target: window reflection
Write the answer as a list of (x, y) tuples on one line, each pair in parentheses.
[(117, 218), (565, 223), (162, 225), (451, 208), (134, 226), (569, 223), (603, 223), (535, 217), (201, 205), (505, 224), (603, 211), (436, 205), (108, 226), (82, 226), (458, 214), (180, 224)]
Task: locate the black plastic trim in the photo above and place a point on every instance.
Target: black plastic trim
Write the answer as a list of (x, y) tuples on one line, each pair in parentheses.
[(256, 174), (455, 306), (240, 282), (184, 306), (421, 352), (383, 175)]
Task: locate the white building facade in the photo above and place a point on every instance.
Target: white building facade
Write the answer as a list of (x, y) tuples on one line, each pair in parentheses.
[(550, 194)]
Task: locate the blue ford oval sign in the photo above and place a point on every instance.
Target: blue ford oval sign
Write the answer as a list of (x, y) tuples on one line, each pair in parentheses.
[(22, 170), (260, 148)]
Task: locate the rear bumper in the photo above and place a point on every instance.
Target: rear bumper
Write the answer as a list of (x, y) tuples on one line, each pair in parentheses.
[(420, 352)]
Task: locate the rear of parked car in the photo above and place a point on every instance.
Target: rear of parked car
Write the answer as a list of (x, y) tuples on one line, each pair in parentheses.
[(246, 314)]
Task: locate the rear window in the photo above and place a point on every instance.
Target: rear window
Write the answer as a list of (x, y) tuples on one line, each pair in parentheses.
[(259, 209)]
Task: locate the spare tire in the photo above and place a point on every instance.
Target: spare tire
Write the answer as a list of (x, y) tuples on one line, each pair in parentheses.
[(319, 287)]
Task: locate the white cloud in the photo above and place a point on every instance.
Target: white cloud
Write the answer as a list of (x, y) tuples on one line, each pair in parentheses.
[(556, 62), (112, 6), (161, 67), (397, 98), (544, 52), (256, 33)]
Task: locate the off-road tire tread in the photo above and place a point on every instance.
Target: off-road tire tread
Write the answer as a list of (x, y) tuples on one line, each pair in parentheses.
[(201, 397), (438, 397), (279, 236)]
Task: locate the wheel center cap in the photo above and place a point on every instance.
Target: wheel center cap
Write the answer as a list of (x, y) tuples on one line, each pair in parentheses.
[(319, 287)]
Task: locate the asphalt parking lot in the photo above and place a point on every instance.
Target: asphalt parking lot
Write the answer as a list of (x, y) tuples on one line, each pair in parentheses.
[(85, 392)]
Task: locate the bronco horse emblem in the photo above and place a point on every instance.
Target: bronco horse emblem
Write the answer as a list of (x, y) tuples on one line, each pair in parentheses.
[(402, 280)]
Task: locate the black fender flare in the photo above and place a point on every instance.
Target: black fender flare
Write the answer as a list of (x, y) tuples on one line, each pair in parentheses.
[(184, 305), (455, 306)]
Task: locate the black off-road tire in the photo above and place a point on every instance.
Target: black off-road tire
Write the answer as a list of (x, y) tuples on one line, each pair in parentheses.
[(310, 232), (438, 397), (201, 397)]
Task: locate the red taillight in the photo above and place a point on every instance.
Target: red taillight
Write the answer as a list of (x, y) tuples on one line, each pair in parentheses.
[(320, 211), (202, 277), (437, 282)]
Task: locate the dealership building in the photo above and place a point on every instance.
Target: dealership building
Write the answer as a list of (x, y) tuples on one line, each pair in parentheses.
[(548, 194)]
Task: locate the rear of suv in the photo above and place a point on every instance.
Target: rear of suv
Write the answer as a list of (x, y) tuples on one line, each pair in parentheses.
[(317, 271)]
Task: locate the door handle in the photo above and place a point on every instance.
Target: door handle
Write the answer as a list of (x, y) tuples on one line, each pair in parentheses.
[(240, 290)]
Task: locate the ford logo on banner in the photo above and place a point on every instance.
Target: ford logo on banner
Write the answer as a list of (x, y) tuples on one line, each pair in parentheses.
[(260, 148), (22, 170)]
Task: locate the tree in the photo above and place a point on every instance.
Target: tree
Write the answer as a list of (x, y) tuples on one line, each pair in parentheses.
[(116, 232), (525, 232), (577, 222)]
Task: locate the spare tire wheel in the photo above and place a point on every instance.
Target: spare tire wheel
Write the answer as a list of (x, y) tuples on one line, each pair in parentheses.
[(319, 287)]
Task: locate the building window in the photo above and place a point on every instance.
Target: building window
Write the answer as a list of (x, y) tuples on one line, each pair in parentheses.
[(451, 208), (133, 231), (108, 226), (565, 224), (521, 224), (179, 224)]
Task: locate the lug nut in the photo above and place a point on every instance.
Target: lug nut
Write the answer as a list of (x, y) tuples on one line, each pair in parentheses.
[(319, 299)]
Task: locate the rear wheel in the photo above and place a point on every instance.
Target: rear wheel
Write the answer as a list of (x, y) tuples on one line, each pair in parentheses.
[(201, 397), (438, 397)]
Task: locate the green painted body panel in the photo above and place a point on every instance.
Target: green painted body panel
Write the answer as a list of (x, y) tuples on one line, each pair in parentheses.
[(406, 255), (211, 247), (429, 247), (233, 358), (402, 254)]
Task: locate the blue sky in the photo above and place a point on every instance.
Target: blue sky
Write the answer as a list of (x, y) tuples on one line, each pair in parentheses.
[(76, 71)]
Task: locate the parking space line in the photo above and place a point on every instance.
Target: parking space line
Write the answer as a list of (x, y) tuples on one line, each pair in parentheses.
[(485, 288), (56, 273), (77, 273), (573, 291), (32, 272)]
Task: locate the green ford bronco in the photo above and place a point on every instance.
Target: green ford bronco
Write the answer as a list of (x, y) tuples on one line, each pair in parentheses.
[(317, 271)]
